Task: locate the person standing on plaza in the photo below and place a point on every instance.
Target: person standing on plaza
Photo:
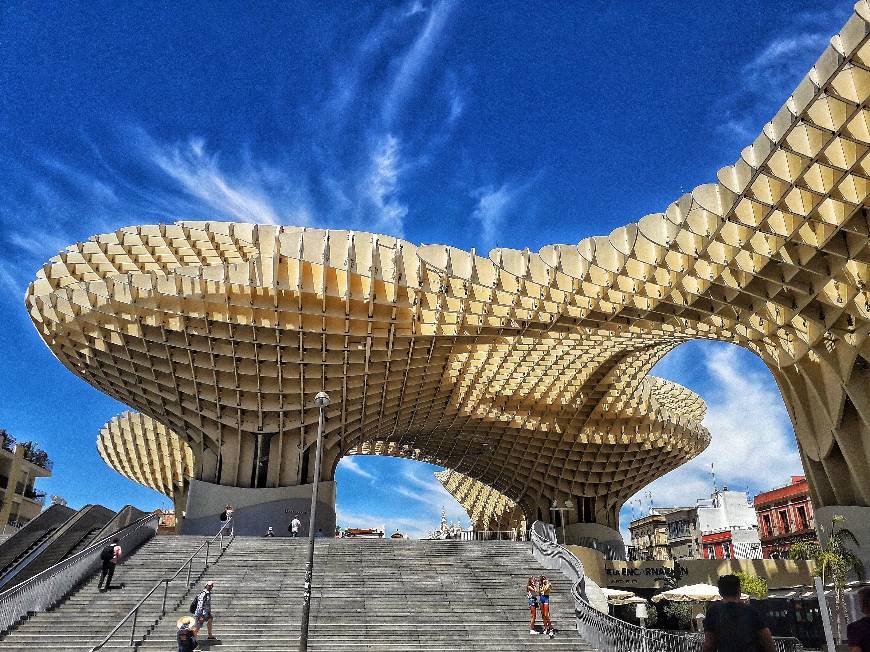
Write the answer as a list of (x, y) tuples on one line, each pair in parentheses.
[(295, 524), (858, 633), (544, 589), (110, 556), (731, 626), (227, 520), (202, 613), (532, 595)]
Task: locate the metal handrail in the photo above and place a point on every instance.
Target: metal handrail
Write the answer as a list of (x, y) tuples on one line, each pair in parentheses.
[(47, 588), (134, 612), (599, 628)]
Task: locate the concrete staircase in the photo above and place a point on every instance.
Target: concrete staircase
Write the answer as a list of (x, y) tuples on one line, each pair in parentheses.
[(87, 615), (367, 595)]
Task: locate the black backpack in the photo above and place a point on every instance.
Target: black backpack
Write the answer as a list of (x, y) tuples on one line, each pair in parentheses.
[(108, 553), (224, 515), (193, 605)]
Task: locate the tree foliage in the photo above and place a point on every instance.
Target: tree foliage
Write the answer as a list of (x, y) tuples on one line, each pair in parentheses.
[(680, 612), (752, 584), (834, 559)]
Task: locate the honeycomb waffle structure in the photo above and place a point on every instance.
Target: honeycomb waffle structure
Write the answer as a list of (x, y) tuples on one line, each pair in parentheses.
[(524, 371)]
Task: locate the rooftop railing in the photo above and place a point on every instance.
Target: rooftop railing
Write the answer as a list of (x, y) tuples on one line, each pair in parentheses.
[(486, 535), (133, 615), (49, 587)]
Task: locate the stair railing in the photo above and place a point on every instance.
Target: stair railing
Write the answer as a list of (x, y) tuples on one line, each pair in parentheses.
[(226, 527), (47, 588), (600, 629)]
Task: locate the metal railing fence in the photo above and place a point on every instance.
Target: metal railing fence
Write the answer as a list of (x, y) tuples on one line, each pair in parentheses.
[(600, 629), (187, 565), (47, 588), (485, 535)]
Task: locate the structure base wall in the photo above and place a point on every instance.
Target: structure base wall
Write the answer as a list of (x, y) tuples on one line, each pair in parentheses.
[(255, 510), (857, 520), (599, 537)]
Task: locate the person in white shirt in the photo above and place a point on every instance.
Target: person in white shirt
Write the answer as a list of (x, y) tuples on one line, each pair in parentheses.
[(295, 524)]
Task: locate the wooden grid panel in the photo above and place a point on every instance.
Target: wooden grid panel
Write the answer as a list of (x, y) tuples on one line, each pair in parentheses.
[(488, 509), (147, 452)]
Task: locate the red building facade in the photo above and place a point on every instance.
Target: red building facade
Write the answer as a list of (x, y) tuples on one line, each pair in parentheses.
[(785, 517), (717, 545)]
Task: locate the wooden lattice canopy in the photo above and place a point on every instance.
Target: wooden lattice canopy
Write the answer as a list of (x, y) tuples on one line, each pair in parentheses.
[(524, 371)]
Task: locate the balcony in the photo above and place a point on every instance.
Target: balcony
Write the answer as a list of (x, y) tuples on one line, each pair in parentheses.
[(30, 493), (35, 496), (37, 456)]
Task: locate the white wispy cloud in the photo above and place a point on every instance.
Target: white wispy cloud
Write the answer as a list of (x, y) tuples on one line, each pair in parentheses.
[(745, 416), (768, 79), (494, 203), (350, 464), (382, 187), (412, 65), (198, 171), (778, 68)]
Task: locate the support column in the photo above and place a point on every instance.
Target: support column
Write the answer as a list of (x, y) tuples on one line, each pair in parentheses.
[(829, 403)]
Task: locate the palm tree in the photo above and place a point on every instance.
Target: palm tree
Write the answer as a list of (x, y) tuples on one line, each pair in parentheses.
[(834, 559)]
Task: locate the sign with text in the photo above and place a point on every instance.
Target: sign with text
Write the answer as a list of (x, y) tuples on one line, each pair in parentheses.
[(664, 575), (644, 574)]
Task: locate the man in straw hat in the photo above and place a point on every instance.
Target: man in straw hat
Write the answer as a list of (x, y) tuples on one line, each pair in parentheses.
[(185, 637)]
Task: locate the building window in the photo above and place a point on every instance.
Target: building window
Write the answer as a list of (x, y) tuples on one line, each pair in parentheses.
[(767, 528), (783, 521), (711, 552), (726, 551), (802, 518)]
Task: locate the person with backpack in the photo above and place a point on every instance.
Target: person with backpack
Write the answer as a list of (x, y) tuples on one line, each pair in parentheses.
[(201, 610), (110, 556), (295, 524)]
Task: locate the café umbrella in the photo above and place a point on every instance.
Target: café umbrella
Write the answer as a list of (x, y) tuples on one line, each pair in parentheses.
[(617, 596), (692, 593)]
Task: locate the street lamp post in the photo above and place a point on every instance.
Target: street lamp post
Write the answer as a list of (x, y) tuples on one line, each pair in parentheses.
[(569, 506), (322, 402)]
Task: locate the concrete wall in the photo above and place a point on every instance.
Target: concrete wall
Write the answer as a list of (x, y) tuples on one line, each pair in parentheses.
[(593, 563), (257, 509)]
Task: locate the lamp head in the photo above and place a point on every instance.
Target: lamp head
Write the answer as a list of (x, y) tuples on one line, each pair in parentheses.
[(321, 400), (555, 505)]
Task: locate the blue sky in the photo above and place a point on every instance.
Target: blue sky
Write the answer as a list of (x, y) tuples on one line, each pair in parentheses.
[(471, 124)]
